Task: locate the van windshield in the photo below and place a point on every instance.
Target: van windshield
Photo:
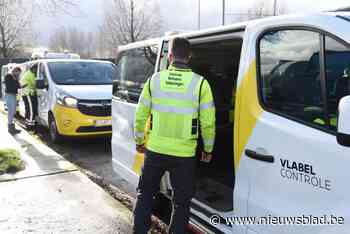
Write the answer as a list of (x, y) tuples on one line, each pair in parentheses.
[(82, 73)]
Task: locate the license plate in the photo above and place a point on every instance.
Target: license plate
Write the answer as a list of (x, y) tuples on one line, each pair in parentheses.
[(103, 122)]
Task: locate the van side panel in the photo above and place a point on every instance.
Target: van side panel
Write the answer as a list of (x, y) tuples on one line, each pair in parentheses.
[(126, 161)]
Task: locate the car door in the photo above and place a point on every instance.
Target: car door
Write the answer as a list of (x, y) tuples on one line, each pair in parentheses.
[(43, 95), (134, 67), (297, 171)]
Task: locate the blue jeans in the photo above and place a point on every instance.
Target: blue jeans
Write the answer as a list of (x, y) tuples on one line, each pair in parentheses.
[(11, 102)]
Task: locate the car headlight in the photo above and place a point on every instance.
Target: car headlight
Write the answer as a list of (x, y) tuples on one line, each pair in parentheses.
[(70, 102), (66, 100)]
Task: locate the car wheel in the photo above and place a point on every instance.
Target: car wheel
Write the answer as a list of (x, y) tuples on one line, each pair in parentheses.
[(55, 136)]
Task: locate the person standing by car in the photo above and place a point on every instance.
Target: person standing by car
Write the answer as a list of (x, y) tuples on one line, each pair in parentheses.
[(30, 98), (11, 90), (178, 102)]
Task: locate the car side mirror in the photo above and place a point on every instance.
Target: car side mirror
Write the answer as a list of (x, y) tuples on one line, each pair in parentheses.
[(40, 84), (343, 134)]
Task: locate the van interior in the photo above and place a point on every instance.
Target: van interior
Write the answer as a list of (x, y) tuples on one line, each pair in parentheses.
[(218, 62)]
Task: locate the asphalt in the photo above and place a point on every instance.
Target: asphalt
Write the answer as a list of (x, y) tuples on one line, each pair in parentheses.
[(52, 196)]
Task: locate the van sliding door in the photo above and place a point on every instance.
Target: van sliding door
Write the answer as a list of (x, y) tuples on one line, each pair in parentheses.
[(134, 67)]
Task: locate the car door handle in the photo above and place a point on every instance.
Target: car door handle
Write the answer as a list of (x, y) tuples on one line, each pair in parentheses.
[(261, 157)]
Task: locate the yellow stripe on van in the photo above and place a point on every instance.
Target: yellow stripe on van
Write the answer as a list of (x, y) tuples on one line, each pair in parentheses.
[(247, 112)]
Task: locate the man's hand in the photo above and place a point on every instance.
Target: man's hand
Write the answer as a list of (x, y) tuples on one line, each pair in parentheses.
[(206, 157), (141, 149)]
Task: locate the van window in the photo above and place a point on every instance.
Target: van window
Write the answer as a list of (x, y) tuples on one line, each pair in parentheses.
[(163, 62), (135, 66), (290, 75), (337, 65), (81, 73)]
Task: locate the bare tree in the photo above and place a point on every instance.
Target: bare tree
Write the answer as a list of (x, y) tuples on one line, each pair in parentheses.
[(16, 22), (259, 10), (59, 40), (262, 9), (105, 48), (282, 8), (54, 7), (128, 21), (73, 40), (14, 27)]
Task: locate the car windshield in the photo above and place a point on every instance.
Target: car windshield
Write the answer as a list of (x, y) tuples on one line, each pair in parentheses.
[(82, 73)]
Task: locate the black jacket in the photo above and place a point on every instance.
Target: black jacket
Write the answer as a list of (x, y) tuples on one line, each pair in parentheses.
[(11, 84)]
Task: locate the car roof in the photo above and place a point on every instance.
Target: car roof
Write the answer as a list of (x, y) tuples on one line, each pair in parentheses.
[(71, 61)]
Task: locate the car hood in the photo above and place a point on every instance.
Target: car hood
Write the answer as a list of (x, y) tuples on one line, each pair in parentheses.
[(88, 92)]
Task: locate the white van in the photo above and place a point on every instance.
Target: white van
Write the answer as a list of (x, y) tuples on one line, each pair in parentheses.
[(281, 158), (74, 97)]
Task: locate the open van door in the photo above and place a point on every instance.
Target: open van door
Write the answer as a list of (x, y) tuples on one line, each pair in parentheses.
[(135, 66)]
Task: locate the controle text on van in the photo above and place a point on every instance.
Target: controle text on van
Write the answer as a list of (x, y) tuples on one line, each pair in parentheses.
[(281, 88), (74, 96)]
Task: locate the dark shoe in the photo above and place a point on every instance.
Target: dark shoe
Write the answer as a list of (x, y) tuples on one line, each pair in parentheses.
[(12, 130), (17, 131)]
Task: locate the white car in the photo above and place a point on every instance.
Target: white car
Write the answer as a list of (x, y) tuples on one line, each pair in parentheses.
[(74, 97)]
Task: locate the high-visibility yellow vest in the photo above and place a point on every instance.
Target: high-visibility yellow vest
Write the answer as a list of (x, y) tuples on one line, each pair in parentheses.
[(29, 81), (178, 101), (333, 121)]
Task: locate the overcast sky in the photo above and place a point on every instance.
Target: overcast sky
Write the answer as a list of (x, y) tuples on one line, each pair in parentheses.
[(177, 14)]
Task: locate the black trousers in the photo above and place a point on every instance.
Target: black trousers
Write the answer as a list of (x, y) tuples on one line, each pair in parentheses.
[(31, 108), (182, 176)]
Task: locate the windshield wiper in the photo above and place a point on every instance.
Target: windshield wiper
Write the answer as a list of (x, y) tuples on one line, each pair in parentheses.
[(347, 18)]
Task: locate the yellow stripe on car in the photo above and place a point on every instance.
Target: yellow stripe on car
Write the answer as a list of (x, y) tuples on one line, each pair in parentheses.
[(68, 120)]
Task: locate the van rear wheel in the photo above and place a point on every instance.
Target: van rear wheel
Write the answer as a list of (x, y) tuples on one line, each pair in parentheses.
[(55, 136)]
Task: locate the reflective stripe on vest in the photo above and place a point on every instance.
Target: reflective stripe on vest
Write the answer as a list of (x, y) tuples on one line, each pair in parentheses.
[(139, 134), (175, 104), (174, 109), (145, 102), (208, 142), (204, 106)]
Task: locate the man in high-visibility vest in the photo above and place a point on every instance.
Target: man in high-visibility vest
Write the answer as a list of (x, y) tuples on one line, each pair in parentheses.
[(177, 102), (29, 97)]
